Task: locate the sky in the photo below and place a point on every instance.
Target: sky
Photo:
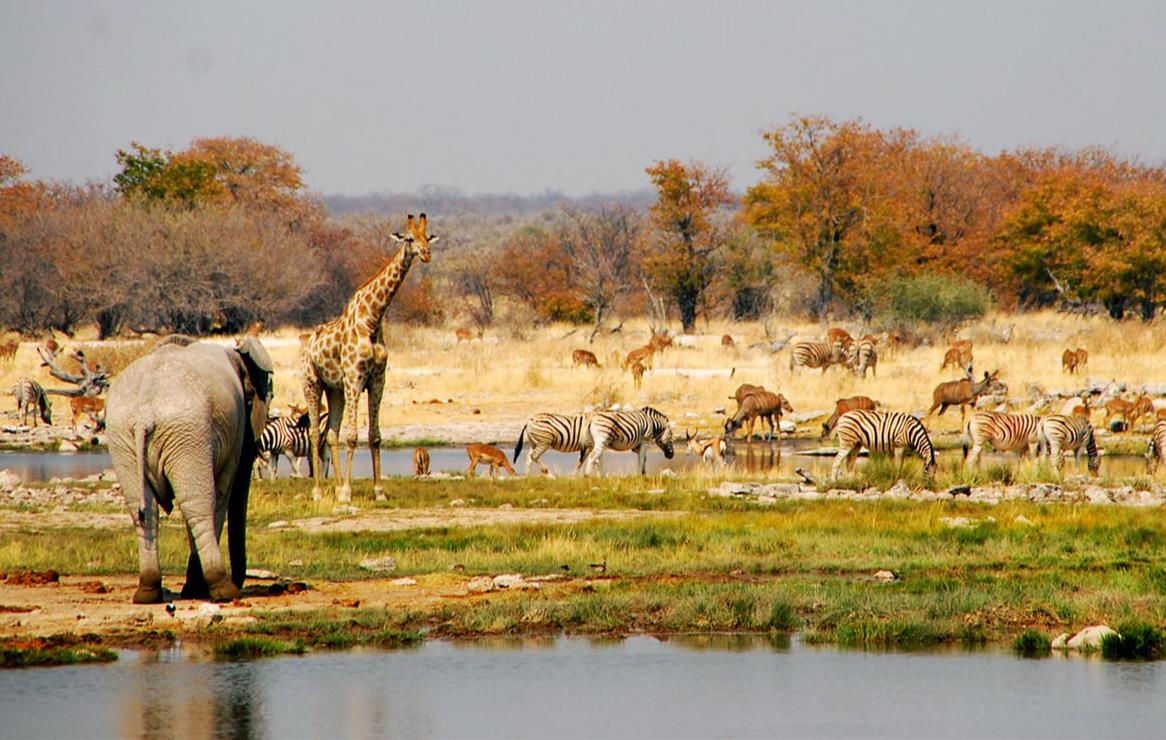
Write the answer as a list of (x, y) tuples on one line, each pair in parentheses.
[(578, 97)]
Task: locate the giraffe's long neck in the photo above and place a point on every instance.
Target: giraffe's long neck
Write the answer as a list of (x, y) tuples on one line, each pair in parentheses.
[(371, 300)]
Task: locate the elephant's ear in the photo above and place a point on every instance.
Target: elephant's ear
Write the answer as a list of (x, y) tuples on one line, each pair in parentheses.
[(257, 379)]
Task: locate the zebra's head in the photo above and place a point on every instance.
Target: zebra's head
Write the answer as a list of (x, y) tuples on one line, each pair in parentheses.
[(661, 430)]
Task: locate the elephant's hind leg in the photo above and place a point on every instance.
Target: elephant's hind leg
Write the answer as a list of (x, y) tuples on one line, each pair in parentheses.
[(149, 589), (203, 502)]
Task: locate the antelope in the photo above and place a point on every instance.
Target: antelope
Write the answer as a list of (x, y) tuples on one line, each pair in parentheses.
[(837, 336), (466, 334), (745, 389), (585, 358), (961, 392), (642, 355), (493, 456), (660, 342), (956, 357), (711, 451), (1069, 361), (88, 405), (761, 404), (1130, 411), (1077, 406), (8, 349), (727, 341), (1082, 357), (420, 462), (637, 370), (841, 406)]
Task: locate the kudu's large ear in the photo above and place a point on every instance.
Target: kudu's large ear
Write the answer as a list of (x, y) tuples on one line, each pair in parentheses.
[(257, 377)]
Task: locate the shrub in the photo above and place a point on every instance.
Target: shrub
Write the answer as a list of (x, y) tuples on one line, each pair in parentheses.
[(1134, 641), (1032, 643), (940, 300)]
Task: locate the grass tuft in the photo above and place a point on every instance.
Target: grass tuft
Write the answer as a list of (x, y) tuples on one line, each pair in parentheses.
[(248, 648), (1134, 641), (1032, 643)]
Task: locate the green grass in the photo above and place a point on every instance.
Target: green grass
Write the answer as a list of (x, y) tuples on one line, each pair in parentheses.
[(1134, 641), (1032, 643), (247, 648)]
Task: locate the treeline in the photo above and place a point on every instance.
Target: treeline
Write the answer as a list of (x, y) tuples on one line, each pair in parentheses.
[(847, 219)]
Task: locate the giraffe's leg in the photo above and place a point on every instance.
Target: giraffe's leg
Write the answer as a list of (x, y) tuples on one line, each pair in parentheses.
[(336, 409), (312, 393), (376, 389), (352, 389)]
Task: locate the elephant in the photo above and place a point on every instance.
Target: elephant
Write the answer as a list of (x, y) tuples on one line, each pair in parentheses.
[(183, 424)]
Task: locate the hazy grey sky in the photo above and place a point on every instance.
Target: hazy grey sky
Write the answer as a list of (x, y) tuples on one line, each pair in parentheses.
[(576, 96)]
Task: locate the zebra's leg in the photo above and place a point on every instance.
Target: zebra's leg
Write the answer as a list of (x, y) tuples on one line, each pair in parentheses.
[(974, 455), (593, 457), (843, 454), (642, 453)]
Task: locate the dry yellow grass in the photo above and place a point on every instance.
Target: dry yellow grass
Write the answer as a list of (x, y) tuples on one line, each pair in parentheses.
[(502, 380)]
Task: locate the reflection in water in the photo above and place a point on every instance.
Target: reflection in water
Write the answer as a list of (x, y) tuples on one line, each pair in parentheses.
[(755, 457), (163, 701)]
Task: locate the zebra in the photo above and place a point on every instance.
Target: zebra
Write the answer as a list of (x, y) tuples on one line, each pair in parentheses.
[(551, 432), (1157, 450), (880, 431), (1005, 432), (623, 431), (861, 355), (1059, 433), (815, 354), (31, 399), (288, 435)]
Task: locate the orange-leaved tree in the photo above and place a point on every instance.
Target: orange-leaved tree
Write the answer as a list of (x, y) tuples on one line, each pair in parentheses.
[(688, 231)]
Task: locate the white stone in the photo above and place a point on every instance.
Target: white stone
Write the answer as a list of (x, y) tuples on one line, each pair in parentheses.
[(295, 563), (899, 490), (1022, 519), (208, 609), (506, 506), (346, 510), (262, 575), (885, 576), (8, 479), (1089, 638), (277, 524), (667, 473), (480, 585), (379, 565), (458, 502), (66, 446), (1061, 641), (404, 581), (507, 580)]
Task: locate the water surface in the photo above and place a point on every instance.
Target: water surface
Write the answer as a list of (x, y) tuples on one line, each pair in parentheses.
[(574, 688)]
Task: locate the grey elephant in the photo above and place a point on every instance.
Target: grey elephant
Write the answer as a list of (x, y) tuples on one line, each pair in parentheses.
[(183, 427)]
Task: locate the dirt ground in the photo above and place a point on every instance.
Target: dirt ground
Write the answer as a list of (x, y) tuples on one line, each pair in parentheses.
[(85, 604)]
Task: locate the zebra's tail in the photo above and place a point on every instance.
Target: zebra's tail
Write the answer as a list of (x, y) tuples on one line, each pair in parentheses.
[(966, 438), (518, 447)]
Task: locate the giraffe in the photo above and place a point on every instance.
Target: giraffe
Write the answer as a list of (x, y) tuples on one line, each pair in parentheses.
[(347, 355)]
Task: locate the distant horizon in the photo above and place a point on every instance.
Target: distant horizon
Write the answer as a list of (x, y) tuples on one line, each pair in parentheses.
[(578, 98)]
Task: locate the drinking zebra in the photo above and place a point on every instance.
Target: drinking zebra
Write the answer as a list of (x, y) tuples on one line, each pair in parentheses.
[(1059, 433), (1004, 432), (881, 432), (288, 435), (626, 430), (551, 432), (815, 354), (31, 399)]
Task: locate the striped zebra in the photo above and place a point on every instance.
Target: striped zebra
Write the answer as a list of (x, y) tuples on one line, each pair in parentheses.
[(626, 430), (1157, 449), (880, 431), (815, 354), (31, 399), (551, 432), (862, 355), (288, 435), (1004, 432), (1058, 434)]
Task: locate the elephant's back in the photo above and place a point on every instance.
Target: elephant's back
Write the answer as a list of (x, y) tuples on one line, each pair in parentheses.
[(174, 382)]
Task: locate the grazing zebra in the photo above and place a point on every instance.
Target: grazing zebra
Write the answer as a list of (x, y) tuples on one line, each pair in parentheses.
[(551, 432), (1059, 433), (880, 431), (1005, 432), (1157, 449), (841, 406), (288, 435), (814, 354), (31, 399), (626, 430), (861, 355)]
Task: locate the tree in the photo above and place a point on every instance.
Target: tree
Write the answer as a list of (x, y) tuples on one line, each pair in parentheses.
[(824, 202), (686, 232), (601, 248)]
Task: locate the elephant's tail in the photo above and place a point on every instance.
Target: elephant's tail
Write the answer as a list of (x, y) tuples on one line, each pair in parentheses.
[(141, 436)]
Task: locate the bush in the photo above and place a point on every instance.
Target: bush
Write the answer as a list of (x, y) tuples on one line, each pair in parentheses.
[(1134, 641), (939, 300), (1032, 643)]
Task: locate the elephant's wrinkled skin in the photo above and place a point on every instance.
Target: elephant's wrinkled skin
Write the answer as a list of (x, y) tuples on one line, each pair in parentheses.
[(183, 422)]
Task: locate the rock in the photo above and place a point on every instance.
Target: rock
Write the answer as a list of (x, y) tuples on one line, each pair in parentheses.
[(480, 585), (1097, 495), (208, 609), (66, 446), (295, 563), (1060, 642), (379, 565), (1089, 638), (787, 427), (507, 580), (540, 502), (668, 473), (1023, 520), (899, 490), (458, 502), (262, 575), (506, 506), (9, 480), (345, 510), (885, 576), (277, 524), (404, 581)]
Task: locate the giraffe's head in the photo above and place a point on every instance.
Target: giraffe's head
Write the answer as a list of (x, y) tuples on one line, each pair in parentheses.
[(416, 237)]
